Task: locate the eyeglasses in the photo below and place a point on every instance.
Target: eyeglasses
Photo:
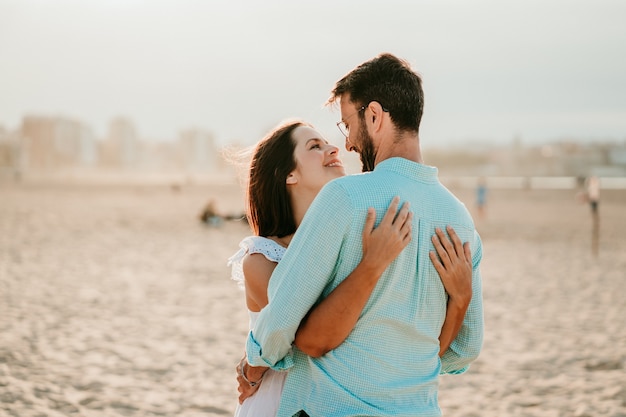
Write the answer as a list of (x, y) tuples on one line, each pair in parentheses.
[(343, 128)]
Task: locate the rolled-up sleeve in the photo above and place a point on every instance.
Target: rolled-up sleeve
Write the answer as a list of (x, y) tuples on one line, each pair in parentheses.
[(299, 280), (468, 343)]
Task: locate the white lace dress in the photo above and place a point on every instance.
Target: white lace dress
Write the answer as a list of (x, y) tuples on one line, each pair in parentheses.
[(264, 403)]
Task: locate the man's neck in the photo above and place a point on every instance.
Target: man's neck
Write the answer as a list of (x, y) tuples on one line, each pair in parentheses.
[(405, 146)]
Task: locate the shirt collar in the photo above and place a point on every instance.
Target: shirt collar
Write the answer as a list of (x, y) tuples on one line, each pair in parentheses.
[(409, 169)]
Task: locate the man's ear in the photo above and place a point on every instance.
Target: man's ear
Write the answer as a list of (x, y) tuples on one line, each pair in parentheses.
[(377, 115), (291, 179)]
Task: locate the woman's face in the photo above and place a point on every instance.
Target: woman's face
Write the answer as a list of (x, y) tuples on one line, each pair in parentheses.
[(317, 161)]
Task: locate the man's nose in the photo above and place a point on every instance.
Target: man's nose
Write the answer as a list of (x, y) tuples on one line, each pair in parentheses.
[(349, 145)]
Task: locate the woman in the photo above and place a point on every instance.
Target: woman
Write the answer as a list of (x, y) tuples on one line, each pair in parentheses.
[(289, 167)]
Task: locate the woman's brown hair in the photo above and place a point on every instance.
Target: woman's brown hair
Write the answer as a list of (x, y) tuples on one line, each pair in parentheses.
[(268, 206)]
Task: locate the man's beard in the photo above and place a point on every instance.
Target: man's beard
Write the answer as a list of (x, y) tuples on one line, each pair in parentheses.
[(366, 145)]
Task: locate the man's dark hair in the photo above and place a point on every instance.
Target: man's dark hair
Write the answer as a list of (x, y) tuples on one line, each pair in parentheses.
[(391, 82)]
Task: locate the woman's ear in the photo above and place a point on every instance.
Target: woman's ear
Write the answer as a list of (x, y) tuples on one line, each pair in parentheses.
[(291, 179)]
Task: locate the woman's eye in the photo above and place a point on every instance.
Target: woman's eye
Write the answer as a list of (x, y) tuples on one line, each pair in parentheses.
[(316, 146)]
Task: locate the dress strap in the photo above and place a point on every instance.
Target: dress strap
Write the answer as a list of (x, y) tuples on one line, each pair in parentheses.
[(254, 244)]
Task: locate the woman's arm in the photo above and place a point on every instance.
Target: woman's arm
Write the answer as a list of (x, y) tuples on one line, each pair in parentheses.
[(453, 263), (257, 270), (329, 323)]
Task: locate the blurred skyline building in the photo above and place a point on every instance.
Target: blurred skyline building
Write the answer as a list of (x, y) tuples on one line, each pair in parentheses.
[(198, 150), (121, 147), (50, 145)]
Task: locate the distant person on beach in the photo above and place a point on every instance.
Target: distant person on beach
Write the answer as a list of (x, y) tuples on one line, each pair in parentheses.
[(593, 196), (593, 193), (288, 169), (210, 216), (390, 361), (481, 197)]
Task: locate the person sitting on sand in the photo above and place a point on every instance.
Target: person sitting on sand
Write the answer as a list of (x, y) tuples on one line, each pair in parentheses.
[(210, 215)]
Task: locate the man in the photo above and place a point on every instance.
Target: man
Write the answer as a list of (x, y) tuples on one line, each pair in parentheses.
[(389, 364)]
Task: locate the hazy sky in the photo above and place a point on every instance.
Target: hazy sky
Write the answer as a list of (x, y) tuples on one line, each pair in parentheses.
[(492, 70)]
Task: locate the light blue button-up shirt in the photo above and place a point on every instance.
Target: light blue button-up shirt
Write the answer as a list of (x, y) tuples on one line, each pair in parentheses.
[(389, 364)]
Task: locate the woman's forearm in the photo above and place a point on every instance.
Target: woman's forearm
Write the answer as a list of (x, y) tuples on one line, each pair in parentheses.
[(453, 262), (455, 314)]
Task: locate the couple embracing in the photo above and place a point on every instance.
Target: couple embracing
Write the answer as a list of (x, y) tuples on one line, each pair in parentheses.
[(375, 287)]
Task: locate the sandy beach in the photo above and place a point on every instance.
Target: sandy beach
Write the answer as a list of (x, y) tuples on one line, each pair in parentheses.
[(116, 301)]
